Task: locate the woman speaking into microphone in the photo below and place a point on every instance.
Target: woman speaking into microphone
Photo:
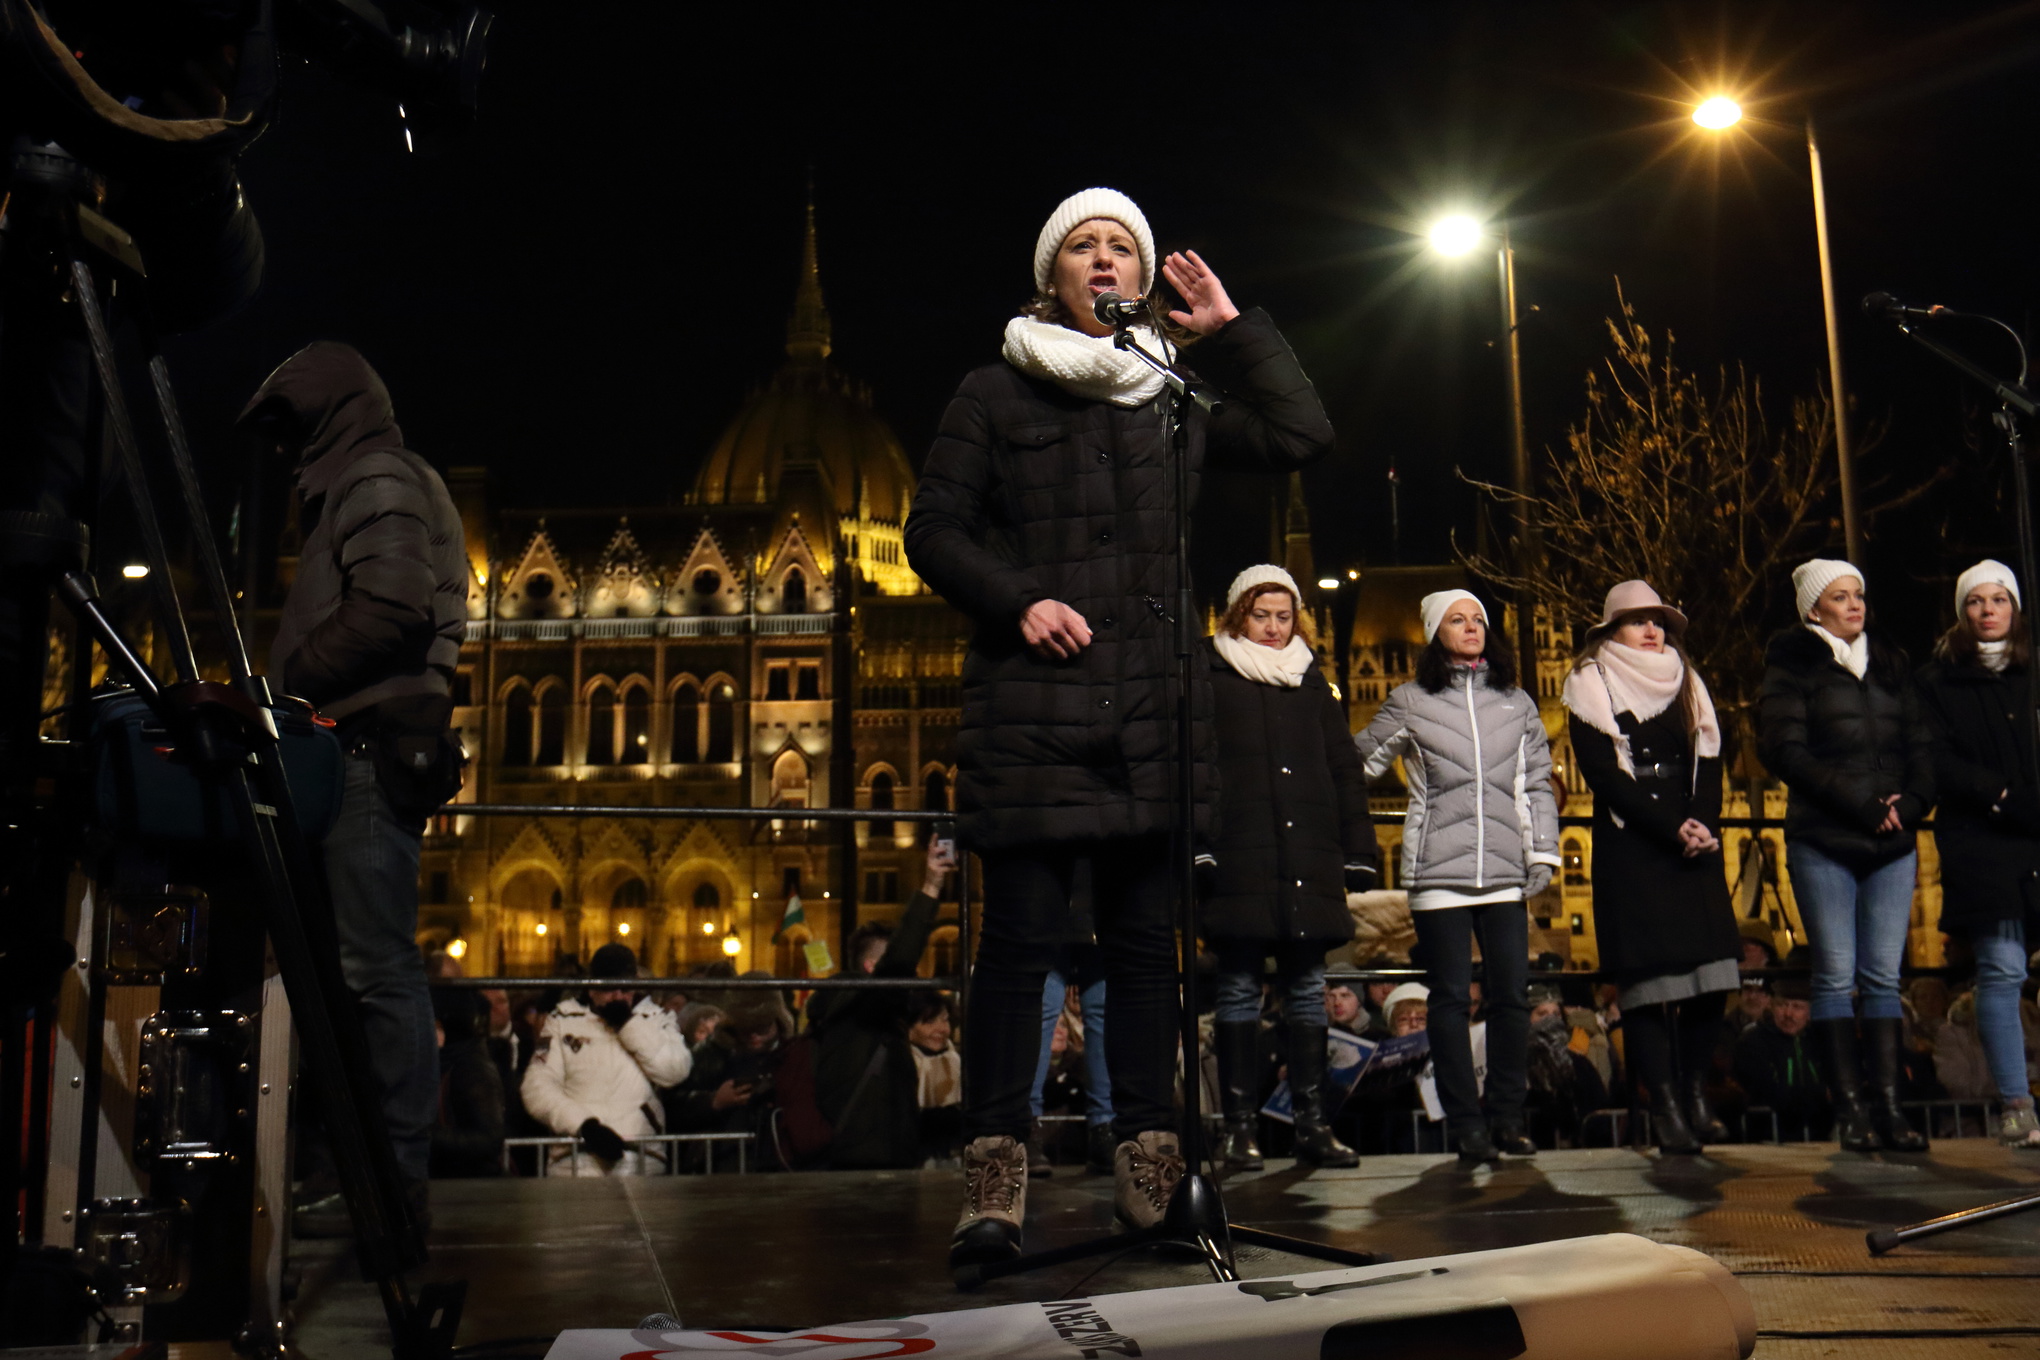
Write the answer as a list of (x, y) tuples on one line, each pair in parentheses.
[(1045, 512)]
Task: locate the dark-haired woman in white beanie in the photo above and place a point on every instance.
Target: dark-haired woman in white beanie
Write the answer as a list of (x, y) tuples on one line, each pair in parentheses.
[(1839, 721), (1646, 740), (1294, 836), (1045, 512), (1977, 693)]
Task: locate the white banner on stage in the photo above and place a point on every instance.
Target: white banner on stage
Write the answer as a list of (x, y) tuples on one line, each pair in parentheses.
[(1617, 1297)]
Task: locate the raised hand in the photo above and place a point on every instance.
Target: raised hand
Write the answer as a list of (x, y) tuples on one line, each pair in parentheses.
[(1210, 308)]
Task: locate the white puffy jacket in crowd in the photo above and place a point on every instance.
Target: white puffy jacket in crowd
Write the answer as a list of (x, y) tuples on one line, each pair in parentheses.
[(581, 1069)]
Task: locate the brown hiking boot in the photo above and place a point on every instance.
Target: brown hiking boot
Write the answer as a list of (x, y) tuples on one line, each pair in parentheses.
[(1147, 1170), (994, 1202)]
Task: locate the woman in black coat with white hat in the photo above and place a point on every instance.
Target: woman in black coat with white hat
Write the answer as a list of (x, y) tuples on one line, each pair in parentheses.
[(1647, 742), (1294, 836), (1045, 513), (1977, 695)]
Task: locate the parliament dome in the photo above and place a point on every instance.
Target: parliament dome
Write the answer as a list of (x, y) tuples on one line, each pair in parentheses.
[(810, 441)]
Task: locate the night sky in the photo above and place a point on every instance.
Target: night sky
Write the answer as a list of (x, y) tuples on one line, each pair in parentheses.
[(579, 292)]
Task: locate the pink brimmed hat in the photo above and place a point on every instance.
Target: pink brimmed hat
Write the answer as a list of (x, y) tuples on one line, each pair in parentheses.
[(1634, 597)]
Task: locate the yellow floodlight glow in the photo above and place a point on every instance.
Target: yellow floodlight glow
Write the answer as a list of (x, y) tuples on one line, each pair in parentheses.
[(1718, 113), (623, 927), (456, 948), (1456, 235), (539, 928), (135, 571), (708, 927), (1328, 583), (732, 946)]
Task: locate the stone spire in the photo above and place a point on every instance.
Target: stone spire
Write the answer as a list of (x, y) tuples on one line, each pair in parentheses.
[(807, 330), (1297, 558)]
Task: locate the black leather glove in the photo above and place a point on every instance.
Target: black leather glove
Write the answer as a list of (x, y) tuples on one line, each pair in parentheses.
[(601, 1140), (615, 1014), (1361, 878)]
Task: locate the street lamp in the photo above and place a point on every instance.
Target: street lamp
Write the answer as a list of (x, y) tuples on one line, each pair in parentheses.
[(1459, 235), (1718, 114)]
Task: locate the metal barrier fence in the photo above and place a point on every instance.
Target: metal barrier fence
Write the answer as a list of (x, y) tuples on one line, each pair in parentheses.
[(644, 1147)]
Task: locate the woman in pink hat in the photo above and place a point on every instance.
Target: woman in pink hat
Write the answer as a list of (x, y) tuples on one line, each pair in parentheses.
[(1646, 740)]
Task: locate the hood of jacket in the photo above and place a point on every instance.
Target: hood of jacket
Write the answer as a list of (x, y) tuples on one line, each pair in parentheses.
[(331, 405)]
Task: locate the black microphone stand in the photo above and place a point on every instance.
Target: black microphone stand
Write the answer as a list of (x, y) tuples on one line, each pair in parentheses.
[(2017, 400), (1195, 1219)]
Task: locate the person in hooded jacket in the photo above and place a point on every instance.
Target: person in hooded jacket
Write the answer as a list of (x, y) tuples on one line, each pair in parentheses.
[(1295, 837), (1480, 836), (1977, 694), (1838, 719), (370, 634), (1647, 742), (599, 1065), (1045, 512)]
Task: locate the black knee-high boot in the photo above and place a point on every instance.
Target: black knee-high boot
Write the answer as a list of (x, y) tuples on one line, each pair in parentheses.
[(1650, 1056), (1885, 1114), (1316, 1144), (1845, 1083), (1699, 1021), (1239, 1081)]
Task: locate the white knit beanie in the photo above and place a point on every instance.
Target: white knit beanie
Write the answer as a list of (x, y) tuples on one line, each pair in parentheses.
[(1809, 579), (1434, 605), (1267, 574), (1987, 572), (1409, 991), (1082, 207)]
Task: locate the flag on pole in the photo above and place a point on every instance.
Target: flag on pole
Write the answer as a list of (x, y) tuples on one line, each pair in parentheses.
[(795, 915)]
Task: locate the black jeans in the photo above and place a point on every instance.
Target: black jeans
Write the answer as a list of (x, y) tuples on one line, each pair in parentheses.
[(1027, 922), (1446, 938)]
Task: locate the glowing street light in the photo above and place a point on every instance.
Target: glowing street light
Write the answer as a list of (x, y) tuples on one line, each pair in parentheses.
[(135, 571), (539, 928), (456, 948), (623, 927), (1718, 113), (1455, 235), (1328, 583), (731, 945)]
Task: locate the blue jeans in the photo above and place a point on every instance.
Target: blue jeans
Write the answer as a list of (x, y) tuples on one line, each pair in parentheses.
[(1097, 1076), (372, 873), (2000, 948), (1856, 923), (1300, 973)]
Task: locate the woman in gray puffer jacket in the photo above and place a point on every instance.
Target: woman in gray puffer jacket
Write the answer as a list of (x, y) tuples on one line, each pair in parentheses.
[(1481, 835)]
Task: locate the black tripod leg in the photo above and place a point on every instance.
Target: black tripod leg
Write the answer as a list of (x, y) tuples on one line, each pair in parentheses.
[(1298, 1246), (970, 1277), (1884, 1239)]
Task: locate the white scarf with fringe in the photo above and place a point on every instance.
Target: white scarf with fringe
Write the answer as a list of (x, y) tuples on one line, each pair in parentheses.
[(1623, 679), (1283, 667), (1087, 366)]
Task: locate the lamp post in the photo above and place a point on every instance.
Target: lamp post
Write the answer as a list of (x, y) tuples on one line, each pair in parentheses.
[(1457, 236), (1718, 114)]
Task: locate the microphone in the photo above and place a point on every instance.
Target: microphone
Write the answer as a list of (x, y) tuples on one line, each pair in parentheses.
[(1884, 306), (1114, 310)]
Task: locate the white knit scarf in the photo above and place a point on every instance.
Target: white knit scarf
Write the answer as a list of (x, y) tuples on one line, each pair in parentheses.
[(1852, 656), (1995, 656), (1283, 667), (1086, 365), (1629, 680)]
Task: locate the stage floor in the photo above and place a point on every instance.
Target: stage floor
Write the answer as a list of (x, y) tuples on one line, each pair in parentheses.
[(794, 1250)]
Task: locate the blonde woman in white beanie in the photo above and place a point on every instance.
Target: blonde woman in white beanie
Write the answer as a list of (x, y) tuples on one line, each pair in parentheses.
[(1977, 693), (1646, 740), (1045, 513), (1838, 719), (1481, 834), (1294, 836)]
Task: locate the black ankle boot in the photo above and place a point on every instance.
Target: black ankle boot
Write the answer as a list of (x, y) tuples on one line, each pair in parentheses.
[(1475, 1146), (1668, 1122), (1700, 1116), (1316, 1145), (1238, 1044), (1885, 1113), (1845, 1081)]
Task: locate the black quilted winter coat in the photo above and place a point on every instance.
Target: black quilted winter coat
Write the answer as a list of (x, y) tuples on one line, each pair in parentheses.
[(1988, 825), (1842, 744), (1295, 812), (1031, 493)]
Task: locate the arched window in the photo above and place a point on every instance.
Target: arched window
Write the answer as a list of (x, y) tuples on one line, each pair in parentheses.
[(882, 798), (793, 592), (722, 724), (637, 726), (517, 732), (706, 897), (538, 590), (552, 726), (686, 724), (789, 780), (1574, 853), (934, 798), (629, 895), (602, 726)]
